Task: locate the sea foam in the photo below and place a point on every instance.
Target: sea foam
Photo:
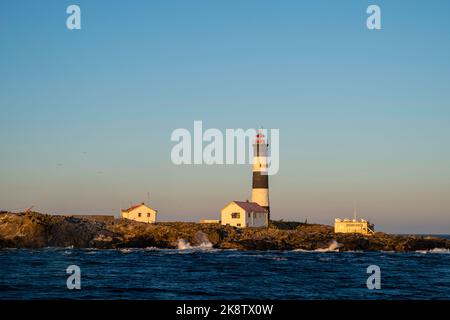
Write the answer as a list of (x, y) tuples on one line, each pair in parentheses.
[(185, 245), (332, 247), (435, 250)]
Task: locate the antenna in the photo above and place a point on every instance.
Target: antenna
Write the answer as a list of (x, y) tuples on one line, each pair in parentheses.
[(354, 210)]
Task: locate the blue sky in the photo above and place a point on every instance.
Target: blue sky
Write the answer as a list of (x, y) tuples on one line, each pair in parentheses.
[(86, 115)]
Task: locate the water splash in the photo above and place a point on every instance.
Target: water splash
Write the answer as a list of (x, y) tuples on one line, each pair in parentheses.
[(185, 245), (332, 247)]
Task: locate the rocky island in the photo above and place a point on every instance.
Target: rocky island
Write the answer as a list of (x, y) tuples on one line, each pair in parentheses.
[(36, 230)]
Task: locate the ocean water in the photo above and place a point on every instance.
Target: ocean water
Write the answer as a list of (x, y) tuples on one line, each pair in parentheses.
[(206, 273)]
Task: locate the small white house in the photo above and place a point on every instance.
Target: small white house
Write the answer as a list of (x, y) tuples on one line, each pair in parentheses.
[(141, 213), (244, 214)]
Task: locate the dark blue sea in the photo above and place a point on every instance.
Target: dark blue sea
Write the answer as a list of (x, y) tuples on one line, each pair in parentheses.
[(205, 273)]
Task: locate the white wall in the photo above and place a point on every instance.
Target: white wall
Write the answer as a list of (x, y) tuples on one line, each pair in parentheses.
[(147, 214), (246, 219), (257, 219), (350, 227), (226, 216)]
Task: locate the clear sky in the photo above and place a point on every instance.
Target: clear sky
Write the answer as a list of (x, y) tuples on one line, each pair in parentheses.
[(86, 115)]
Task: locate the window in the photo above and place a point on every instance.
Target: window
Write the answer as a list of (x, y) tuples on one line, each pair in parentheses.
[(238, 224), (139, 214), (235, 215), (148, 215), (248, 215)]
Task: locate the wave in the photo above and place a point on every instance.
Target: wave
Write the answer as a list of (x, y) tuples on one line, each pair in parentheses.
[(332, 247), (185, 245), (435, 250), (127, 250), (152, 249)]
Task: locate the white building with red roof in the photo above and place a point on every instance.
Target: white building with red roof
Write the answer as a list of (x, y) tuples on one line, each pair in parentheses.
[(141, 213), (243, 214)]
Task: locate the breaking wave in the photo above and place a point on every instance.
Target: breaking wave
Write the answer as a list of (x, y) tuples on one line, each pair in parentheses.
[(201, 238), (152, 249), (127, 250), (435, 250), (333, 247), (185, 245)]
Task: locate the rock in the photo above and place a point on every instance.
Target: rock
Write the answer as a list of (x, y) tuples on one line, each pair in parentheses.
[(35, 230)]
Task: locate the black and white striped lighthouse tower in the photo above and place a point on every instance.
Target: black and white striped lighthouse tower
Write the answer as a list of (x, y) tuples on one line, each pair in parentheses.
[(260, 191)]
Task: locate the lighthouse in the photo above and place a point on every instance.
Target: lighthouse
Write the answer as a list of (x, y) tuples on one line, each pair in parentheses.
[(260, 191)]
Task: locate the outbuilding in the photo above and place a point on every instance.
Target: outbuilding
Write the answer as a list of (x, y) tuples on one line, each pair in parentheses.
[(141, 213), (243, 214)]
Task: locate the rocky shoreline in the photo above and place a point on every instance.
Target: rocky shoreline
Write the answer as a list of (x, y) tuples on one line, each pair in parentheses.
[(36, 230)]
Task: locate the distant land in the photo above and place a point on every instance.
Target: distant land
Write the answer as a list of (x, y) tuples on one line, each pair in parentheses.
[(37, 230)]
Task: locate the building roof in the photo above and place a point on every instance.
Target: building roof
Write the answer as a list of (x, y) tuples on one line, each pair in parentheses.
[(250, 206), (133, 207)]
